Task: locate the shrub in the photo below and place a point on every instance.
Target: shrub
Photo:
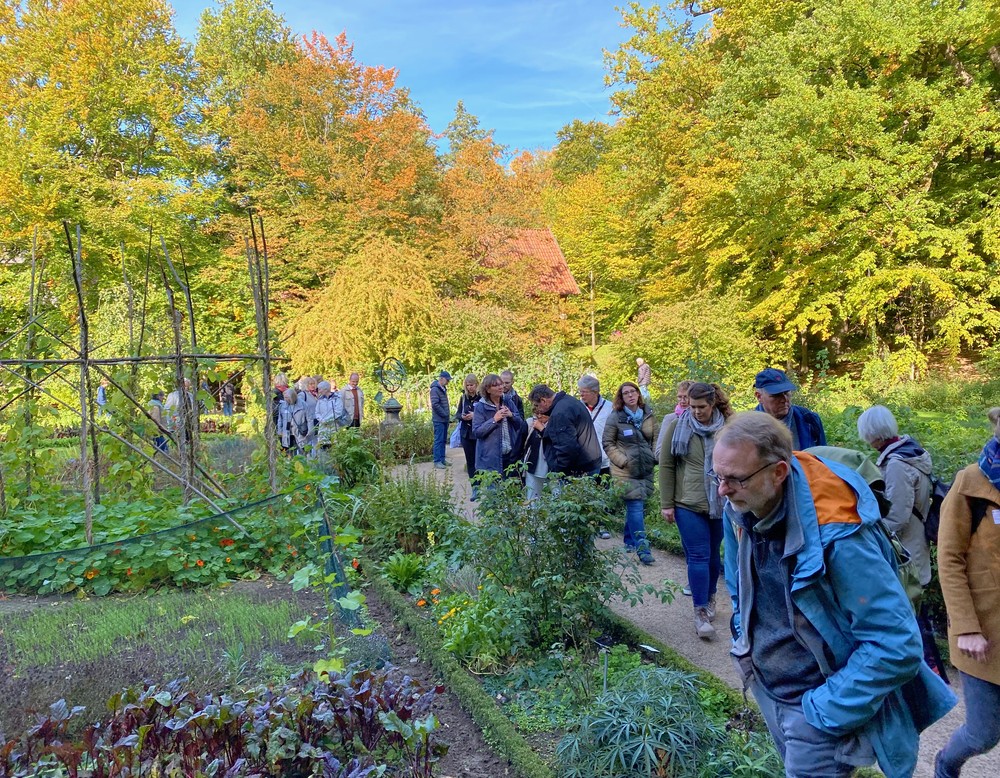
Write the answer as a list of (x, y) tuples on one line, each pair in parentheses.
[(352, 457), (411, 512), (539, 561), (413, 438)]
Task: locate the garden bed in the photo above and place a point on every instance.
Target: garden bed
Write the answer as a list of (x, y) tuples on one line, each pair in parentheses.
[(30, 683)]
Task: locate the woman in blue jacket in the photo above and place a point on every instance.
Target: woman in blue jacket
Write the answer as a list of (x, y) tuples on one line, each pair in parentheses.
[(497, 428)]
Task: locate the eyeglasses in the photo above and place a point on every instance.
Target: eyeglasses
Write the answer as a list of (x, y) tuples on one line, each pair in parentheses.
[(732, 481)]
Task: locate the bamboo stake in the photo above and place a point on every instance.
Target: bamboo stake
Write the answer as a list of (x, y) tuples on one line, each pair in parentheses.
[(29, 351), (88, 498), (270, 431)]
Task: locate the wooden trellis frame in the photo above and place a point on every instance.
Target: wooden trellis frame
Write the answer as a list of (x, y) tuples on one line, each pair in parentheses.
[(186, 470)]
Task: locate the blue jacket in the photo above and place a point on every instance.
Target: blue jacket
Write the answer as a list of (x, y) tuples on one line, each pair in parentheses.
[(440, 408), (844, 583), (489, 436), (806, 426)]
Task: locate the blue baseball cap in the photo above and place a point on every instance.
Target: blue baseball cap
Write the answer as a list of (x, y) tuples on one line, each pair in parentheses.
[(773, 381), (445, 375)]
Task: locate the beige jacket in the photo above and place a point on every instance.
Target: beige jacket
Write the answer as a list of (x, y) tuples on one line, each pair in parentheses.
[(969, 569), (348, 397)]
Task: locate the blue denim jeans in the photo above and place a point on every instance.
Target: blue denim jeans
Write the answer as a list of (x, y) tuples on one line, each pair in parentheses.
[(227, 408), (635, 524), (702, 538), (440, 440), (809, 752), (979, 733)]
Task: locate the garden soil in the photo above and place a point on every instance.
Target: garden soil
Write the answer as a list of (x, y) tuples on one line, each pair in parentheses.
[(673, 624)]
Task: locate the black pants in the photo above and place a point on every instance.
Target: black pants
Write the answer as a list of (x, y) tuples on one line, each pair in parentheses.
[(469, 447)]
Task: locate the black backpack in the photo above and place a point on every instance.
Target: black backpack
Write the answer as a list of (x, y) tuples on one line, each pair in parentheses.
[(932, 521)]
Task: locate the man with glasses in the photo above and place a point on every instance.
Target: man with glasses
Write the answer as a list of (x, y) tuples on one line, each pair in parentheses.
[(774, 396), (829, 644)]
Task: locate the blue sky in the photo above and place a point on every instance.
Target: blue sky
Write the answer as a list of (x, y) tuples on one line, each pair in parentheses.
[(525, 68)]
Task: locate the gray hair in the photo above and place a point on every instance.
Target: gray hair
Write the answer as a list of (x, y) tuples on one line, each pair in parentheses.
[(771, 438), (323, 386), (506, 373), (589, 382), (877, 423)]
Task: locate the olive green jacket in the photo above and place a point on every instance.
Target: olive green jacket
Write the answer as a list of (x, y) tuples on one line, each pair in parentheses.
[(682, 479)]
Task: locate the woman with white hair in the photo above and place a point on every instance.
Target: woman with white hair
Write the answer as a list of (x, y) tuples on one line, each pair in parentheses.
[(906, 469), (329, 410)]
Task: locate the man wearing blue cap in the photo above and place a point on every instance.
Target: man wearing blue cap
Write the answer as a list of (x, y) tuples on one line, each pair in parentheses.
[(440, 415), (774, 395)]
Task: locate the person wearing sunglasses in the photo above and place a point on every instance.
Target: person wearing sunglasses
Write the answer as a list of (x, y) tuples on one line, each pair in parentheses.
[(829, 644)]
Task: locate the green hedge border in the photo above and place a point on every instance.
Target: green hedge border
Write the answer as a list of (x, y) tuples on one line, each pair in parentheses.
[(498, 730)]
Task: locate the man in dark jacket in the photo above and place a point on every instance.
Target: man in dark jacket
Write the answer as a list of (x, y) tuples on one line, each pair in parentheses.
[(774, 395), (569, 438), (440, 415)]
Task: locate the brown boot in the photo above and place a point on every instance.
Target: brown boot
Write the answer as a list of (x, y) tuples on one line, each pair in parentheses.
[(703, 624)]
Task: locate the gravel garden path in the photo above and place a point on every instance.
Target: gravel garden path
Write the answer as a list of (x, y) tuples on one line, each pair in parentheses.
[(673, 624)]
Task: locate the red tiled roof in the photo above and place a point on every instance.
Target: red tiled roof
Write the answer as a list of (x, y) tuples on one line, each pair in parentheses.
[(539, 249)]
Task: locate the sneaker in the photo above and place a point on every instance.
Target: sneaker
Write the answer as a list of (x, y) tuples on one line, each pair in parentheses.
[(686, 591), (710, 609), (630, 549), (440, 465), (603, 534), (703, 625), (645, 557)]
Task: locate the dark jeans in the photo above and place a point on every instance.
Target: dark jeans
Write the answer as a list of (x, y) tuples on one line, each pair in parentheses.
[(702, 538), (227, 408), (979, 733), (469, 447), (355, 423), (160, 441), (440, 440)]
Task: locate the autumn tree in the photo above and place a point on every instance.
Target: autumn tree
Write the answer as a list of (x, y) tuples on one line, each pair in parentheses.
[(380, 302), (830, 163)]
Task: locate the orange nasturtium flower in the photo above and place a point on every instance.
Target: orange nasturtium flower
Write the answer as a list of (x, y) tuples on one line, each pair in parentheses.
[(435, 591), (227, 542), (200, 563), (228, 560), (421, 603), (91, 574)]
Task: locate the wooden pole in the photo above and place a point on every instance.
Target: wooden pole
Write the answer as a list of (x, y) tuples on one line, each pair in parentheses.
[(88, 498)]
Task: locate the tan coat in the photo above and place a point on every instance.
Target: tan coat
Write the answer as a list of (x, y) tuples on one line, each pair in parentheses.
[(969, 569), (682, 479)]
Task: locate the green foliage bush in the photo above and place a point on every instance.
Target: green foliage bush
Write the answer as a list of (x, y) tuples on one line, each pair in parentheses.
[(404, 571), (410, 512), (413, 438), (180, 546), (353, 458), (539, 561)]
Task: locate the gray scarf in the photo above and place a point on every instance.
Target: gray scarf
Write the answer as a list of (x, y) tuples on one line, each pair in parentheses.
[(505, 442), (680, 444)]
